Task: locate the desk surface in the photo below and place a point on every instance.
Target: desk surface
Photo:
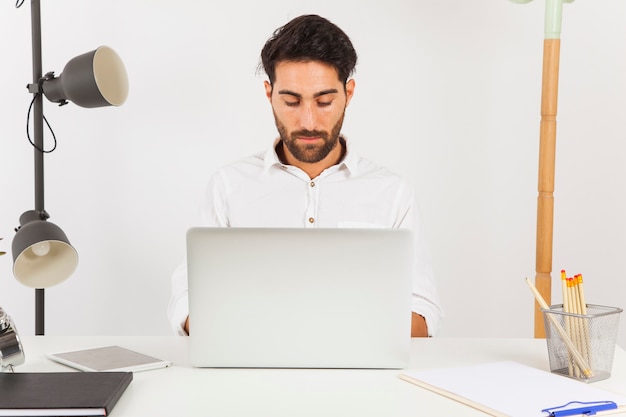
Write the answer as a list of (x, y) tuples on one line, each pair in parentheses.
[(185, 391)]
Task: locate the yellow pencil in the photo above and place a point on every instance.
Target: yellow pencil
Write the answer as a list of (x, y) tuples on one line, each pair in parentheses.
[(581, 292), (572, 327), (566, 308), (585, 323), (564, 285), (580, 361)]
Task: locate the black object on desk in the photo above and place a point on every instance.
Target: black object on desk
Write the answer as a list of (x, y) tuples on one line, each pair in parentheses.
[(61, 393)]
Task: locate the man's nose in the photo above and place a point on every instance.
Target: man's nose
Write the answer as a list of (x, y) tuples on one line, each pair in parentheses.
[(308, 117)]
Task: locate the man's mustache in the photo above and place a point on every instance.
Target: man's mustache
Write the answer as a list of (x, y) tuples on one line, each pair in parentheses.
[(309, 134)]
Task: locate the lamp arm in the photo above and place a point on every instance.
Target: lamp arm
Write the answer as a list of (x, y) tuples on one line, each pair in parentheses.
[(35, 14), (35, 10), (33, 215)]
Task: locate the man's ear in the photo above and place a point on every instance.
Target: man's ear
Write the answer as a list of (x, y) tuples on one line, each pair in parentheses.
[(268, 90), (350, 85)]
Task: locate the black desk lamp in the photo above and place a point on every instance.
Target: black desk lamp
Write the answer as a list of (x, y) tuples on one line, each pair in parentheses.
[(42, 253)]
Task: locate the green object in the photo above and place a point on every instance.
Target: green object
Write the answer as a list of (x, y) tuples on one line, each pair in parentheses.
[(553, 16), (554, 12)]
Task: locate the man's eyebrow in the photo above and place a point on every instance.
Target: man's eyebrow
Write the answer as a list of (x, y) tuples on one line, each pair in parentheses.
[(316, 95), (324, 92), (290, 93)]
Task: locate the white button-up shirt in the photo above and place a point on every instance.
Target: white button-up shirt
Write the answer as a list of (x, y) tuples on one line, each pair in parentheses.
[(261, 191)]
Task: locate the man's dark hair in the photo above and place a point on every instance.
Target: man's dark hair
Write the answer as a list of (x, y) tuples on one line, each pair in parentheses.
[(309, 38)]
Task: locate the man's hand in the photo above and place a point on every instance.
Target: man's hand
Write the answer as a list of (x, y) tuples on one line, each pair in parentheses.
[(418, 326)]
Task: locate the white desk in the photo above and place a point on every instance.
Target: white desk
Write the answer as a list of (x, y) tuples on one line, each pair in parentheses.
[(185, 391)]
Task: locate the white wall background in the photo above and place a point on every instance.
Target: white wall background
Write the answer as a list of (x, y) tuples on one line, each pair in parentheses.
[(448, 95)]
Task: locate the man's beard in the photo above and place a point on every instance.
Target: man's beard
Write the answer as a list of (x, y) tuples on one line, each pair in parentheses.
[(310, 153)]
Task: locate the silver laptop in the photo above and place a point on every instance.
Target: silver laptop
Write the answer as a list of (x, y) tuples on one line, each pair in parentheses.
[(299, 298)]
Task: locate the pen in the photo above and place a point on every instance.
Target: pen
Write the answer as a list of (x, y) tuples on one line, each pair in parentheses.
[(582, 408)]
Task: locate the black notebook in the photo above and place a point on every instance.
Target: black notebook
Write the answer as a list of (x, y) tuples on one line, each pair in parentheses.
[(61, 393)]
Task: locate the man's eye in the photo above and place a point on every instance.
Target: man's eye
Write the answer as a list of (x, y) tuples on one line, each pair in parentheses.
[(292, 103), (324, 103)]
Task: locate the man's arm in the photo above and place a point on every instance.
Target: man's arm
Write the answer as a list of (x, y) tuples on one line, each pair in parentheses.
[(187, 325), (425, 297), (418, 326)]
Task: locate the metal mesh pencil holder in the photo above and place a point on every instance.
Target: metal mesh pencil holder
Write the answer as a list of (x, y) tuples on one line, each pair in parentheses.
[(582, 346)]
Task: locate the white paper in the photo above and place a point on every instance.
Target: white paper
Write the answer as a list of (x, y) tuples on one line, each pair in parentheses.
[(513, 389)]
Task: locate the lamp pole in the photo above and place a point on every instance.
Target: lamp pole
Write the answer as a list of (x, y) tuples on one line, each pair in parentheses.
[(35, 11)]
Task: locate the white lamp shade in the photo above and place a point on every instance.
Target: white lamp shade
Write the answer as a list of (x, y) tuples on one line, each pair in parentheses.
[(94, 79), (110, 75)]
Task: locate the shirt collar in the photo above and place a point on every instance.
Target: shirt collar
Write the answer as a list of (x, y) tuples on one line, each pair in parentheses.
[(350, 160)]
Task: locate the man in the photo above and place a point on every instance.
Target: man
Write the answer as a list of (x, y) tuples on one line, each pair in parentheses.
[(310, 177)]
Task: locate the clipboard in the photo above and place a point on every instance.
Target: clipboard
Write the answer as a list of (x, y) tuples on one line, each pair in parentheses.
[(109, 359), (510, 389), (576, 408)]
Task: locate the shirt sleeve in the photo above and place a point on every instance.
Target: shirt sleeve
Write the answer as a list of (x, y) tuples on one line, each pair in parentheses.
[(425, 296), (178, 308)]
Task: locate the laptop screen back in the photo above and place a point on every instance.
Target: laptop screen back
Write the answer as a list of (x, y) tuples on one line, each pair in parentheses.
[(299, 298)]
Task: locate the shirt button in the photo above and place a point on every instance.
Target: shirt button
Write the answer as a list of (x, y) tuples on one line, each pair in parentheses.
[(311, 220), (312, 183)]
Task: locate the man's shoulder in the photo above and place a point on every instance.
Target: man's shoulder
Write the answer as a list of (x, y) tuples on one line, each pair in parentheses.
[(248, 164), (379, 176), (370, 168)]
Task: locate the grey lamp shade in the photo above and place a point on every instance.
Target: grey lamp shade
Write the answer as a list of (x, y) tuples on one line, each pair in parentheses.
[(42, 255), (94, 79)]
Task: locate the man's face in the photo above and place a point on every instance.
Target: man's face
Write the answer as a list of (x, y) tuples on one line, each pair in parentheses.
[(309, 102)]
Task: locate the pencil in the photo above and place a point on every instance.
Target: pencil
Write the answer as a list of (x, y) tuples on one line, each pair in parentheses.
[(580, 361), (570, 306), (581, 291), (585, 322), (568, 327), (578, 322), (564, 285)]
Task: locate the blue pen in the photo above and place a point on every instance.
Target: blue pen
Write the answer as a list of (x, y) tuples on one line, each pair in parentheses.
[(585, 408)]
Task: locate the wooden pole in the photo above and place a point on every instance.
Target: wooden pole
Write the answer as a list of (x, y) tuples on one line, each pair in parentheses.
[(545, 198), (547, 152)]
